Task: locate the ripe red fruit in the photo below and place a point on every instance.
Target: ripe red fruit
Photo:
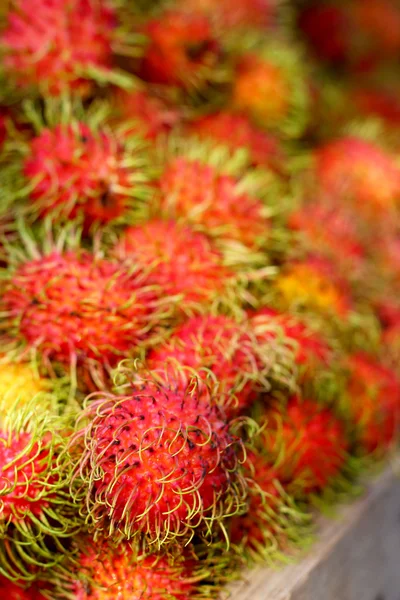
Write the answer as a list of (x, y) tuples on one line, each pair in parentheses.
[(74, 307), (314, 283), (79, 171), (377, 102), (54, 45), (230, 14), (310, 348), (182, 261), (329, 229), (236, 131), (351, 169), (182, 49), (220, 345), (12, 591), (199, 194), (326, 28), (374, 401), (308, 442), (107, 573), (159, 460), (150, 116)]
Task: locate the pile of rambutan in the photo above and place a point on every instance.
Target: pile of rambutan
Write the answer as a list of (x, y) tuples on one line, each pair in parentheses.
[(200, 283)]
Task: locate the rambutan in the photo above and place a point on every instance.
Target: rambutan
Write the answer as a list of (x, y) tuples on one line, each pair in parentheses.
[(315, 284), (227, 14), (81, 168), (352, 169), (36, 513), (237, 131), (311, 349), (58, 46), (271, 87), (19, 383), (308, 444), (150, 116), (330, 230), (377, 102), (182, 261), (273, 524), (79, 308), (373, 402), (325, 26), (241, 362), (216, 202), (159, 460), (182, 49)]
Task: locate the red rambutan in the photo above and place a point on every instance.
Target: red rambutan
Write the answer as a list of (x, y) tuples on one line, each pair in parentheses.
[(310, 348), (229, 14), (181, 261), (237, 131), (352, 169), (159, 460), (373, 401), (13, 591), (151, 117), (182, 49), (58, 45), (230, 351), (76, 170), (325, 26), (308, 443), (198, 193), (271, 87), (79, 309)]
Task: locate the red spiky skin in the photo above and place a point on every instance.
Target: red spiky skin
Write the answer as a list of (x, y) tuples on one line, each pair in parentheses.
[(78, 172), (198, 193), (353, 169), (11, 591), (312, 349), (261, 90), (309, 441), (181, 46), (150, 115), (184, 261), (236, 131), (248, 529), (328, 229), (317, 284), (50, 43), (116, 574), (236, 13), (25, 477), (166, 458), (73, 307), (217, 344), (374, 399)]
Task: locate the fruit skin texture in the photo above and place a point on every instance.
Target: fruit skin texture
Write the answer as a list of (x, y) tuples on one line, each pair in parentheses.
[(79, 171), (183, 261), (351, 169), (74, 307), (12, 591), (315, 284), (196, 192), (311, 349), (49, 44), (374, 401), (220, 345), (182, 49), (150, 116), (256, 81), (18, 383), (159, 460), (308, 442), (236, 131)]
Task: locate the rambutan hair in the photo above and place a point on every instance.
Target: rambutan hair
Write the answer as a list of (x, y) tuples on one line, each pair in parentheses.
[(37, 513), (76, 165), (159, 461)]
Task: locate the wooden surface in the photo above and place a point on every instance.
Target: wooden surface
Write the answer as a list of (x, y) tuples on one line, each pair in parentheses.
[(356, 557)]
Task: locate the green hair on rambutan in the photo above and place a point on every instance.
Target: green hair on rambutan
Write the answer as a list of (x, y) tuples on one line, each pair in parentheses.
[(37, 513)]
